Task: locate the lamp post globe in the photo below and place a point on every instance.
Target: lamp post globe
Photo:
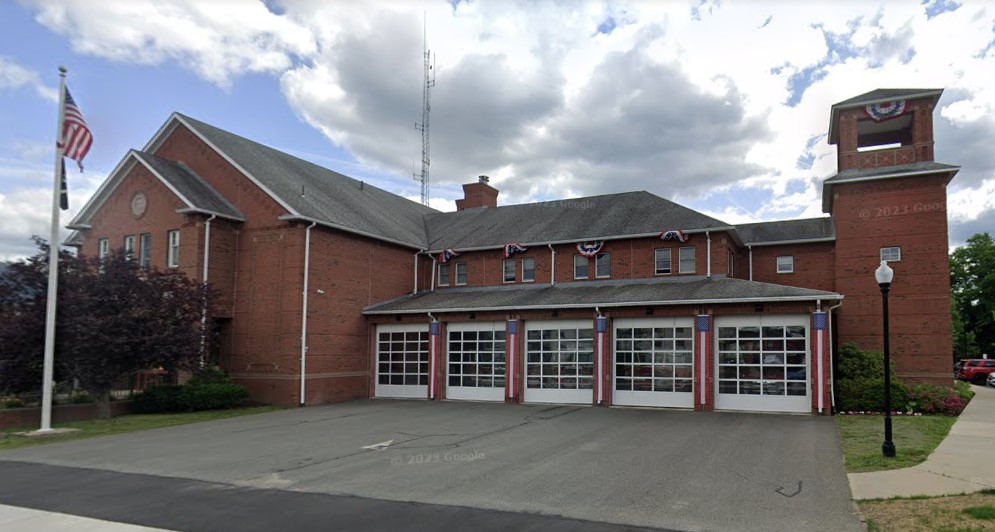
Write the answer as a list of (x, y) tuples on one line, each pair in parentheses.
[(884, 275)]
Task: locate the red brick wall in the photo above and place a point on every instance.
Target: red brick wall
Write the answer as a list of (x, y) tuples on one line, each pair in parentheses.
[(631, 259), (814, 265), (910, 213)]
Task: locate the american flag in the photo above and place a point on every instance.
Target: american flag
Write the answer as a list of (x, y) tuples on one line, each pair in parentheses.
[(76, 137)]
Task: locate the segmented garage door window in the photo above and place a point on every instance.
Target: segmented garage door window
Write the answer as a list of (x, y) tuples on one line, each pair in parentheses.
[(654, 359), (767, 360), (402, 358), (560, 359), (476, 359)]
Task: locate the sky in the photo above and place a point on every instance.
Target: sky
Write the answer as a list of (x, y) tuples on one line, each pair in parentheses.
[(721, 106)]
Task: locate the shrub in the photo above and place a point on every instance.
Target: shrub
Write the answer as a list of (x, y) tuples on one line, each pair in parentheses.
[(930, 399), (12, 402), (212, 396), (162, 398), (964, 391), (867, 394), (209, 375)]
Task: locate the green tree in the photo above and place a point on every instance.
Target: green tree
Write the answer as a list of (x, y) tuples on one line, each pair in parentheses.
[(113, 319), (972, 291)]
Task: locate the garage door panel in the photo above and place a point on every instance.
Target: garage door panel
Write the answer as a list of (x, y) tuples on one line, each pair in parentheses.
[(476, 361), (559, 361), (762, 364), (402, 361), (654, 362)]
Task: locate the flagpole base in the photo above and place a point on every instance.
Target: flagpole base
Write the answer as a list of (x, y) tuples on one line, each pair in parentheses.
[(41, 433)]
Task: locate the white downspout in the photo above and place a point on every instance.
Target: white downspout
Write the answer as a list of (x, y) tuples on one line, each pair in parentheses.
[(708, 260), (552, 265), (415, 289), (433, 274), (751, 261), (307, 270), (203, 280), (832, 382)]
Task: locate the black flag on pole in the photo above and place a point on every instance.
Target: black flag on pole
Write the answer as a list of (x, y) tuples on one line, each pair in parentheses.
[(63, 187)]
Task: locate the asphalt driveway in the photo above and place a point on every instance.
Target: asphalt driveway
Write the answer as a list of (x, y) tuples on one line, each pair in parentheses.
[(654, 468)]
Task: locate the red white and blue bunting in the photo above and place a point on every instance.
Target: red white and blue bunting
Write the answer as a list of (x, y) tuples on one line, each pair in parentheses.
[(885, 110), (590, 249), (447, 255), (674, 234), (513, 247)]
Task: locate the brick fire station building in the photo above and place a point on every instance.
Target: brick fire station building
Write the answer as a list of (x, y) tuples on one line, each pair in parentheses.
[(331, 289)]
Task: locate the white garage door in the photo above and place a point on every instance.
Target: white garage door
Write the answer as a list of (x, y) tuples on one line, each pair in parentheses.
[(654, 362), (402, 361), (559, 361), (476, 355), (762, 364)]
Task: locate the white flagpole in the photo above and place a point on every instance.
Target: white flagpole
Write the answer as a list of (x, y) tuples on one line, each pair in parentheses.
[(53, 267)]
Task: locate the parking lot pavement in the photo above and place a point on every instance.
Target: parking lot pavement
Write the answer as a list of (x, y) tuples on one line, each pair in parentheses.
[(656, 468)]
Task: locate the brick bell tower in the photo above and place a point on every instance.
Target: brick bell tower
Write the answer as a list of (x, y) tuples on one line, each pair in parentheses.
[(888, 201)]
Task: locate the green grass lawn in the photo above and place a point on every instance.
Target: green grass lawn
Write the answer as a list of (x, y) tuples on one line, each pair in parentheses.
[(117, 425), (915, 438)]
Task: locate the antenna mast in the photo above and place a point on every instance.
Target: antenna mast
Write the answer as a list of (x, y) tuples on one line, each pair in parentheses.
[(429, 66)]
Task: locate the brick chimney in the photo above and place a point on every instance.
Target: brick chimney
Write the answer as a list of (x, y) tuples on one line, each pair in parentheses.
[(479, 194)]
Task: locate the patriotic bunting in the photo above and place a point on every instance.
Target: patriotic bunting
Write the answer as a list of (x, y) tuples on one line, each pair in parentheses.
[(885, 110), (590, 249), (513, 247), (447, 255), (674, 234)]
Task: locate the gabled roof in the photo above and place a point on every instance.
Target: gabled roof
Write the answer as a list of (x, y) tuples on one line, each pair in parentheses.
[(197, 193), (787, 232), (191, 189), (312, 193), (681, 290), (877, 96), (571, 220), (853, 175)]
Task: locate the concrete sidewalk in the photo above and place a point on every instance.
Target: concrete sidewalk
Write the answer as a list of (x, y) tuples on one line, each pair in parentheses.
[(963, 463), (28, 520)]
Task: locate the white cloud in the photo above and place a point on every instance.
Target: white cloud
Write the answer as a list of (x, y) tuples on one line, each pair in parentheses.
[(680, 99), (14, 76)]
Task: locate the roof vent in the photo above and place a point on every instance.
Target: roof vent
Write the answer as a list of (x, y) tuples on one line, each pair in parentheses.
[(484, 179)]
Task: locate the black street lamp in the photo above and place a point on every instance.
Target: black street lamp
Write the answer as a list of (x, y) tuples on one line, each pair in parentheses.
[(884, 274)]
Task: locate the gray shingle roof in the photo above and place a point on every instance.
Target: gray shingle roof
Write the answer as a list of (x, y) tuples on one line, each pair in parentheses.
[(615, 293), (787, 231), (327, 196), (887, 95), (887, 172), (198, 194), (594, 217)]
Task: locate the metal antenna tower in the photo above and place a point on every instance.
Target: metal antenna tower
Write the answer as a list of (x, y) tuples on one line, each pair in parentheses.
[(429, 66)]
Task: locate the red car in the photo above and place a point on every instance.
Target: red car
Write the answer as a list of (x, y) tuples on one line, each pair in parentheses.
[(976, 370)]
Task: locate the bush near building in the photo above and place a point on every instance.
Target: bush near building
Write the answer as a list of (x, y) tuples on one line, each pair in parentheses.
[(860, 388), (209, 389)]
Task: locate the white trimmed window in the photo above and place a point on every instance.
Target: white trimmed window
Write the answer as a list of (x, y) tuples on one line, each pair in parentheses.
[(461, 273), (173, 251), (509, 270), (528, 270), (687, 260), (145, 251), (892, 254), (103, 248), (580, 267), (662, 261), (129, 246), (443, 275), (603, 265), (785, 264)]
